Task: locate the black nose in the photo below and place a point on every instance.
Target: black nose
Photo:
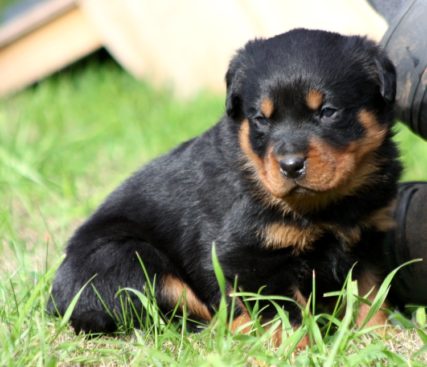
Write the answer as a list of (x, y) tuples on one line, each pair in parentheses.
[(292, 165)]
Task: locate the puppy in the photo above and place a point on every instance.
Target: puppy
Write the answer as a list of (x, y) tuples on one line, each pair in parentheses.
[(299, 175)]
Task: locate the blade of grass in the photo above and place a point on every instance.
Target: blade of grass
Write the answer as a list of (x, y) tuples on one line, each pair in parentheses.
[(383, 291), (342, 333)]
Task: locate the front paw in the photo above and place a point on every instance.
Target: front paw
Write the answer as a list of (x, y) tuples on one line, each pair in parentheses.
[(93, 322)]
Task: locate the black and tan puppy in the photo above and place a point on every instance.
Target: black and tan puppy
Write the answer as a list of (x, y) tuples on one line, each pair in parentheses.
[(299, 175)]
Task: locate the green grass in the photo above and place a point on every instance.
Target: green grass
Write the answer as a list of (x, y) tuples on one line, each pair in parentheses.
[(64, 145)]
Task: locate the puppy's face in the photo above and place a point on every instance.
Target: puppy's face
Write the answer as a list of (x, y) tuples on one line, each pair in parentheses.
[(314, 110)]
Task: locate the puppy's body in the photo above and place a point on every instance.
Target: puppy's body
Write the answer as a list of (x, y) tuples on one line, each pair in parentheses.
[(299, 175)]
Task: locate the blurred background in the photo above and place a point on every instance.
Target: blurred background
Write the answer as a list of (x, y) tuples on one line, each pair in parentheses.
[(185, 43), (92, 89)]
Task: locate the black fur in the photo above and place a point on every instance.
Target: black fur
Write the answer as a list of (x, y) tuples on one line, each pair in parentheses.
[(203, 192)]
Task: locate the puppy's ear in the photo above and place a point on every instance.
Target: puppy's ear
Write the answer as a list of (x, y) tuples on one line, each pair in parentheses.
[(233, 79), (386, 77)]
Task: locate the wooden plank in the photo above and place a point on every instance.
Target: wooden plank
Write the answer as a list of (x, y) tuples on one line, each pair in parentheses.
[(47, 49), (33, 18)]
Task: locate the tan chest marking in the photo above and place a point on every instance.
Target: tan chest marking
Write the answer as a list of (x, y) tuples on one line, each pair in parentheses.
[(350, 236), (279, 235), (382, 219)]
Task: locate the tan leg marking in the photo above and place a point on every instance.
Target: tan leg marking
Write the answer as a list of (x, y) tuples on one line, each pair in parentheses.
[(276, 338), (242, 323), (368, 283), (175, 291), (277, 334), (300, 298)]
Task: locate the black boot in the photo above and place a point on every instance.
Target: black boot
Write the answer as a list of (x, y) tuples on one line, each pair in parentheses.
[(406, 44), (409, 241)]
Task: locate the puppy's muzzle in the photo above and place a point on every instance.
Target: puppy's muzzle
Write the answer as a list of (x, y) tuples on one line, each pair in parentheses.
[(293, 166)]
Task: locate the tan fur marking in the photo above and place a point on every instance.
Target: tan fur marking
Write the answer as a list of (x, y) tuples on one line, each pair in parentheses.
[(256, 165), (242, 324), (279, 235), (276, 338), (331, 173), (334, 173), (314, 99), (374, 134), (368, 286), (274, 179), (298, 296), (175, 291), (347, 180), (361, 175), (303, 343), (350, 236), (247, 149), (267, 170), (327, 168), (382, 219), (379, 319), (267, 107)]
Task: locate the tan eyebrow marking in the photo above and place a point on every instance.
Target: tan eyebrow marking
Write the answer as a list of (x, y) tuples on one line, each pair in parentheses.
[(267, 107), (314, 99)]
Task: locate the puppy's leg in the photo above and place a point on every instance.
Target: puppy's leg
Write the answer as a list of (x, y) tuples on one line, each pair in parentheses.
[(242, 322), (368, 285), (241, 319), (296, 319), (174, 292), (108, 265)]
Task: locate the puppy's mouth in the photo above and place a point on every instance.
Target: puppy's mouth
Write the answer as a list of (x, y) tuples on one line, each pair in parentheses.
[(296, 187), (301, 184)]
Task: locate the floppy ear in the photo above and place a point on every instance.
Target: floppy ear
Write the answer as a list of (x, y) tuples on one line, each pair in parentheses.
[(386, 77), (233, 78)]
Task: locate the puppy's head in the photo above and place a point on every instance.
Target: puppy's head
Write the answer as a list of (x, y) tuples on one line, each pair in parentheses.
[(314, 110)]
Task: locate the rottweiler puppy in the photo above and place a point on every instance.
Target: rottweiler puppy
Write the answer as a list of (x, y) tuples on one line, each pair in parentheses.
[(299, 175)]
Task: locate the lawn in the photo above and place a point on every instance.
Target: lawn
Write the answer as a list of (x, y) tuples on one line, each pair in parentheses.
[(64, 145)]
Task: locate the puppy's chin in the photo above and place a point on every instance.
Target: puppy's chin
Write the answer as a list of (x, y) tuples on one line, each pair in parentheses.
[(285, 188), (302, 198), (296, 190), (302, 191), (302, 188)]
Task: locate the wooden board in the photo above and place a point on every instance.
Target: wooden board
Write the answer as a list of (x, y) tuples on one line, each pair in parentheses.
[(40, 43)]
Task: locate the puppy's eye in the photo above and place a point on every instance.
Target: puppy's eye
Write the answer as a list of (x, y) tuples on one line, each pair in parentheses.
[(261, 121), (327, 112)]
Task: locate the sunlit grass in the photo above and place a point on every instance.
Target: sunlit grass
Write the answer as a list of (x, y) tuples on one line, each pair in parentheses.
[(414, 154)]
